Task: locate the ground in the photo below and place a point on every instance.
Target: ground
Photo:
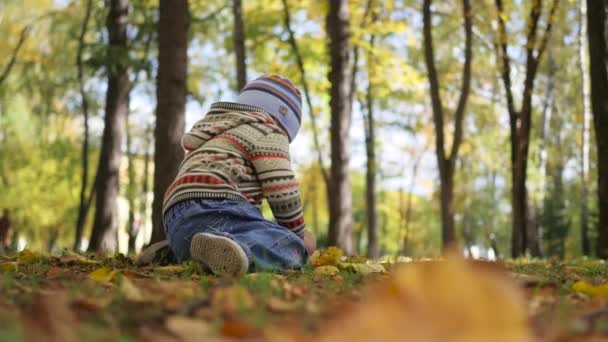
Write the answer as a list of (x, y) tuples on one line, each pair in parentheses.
[(72, 297)]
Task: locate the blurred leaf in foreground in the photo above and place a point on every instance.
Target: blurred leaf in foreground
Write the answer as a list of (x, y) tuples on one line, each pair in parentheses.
[(436, 301)]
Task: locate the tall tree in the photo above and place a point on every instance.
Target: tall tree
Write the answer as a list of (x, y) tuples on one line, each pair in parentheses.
[(83, 206), (339, 187), (103, 236), (371, 173), (238, 38), (520, 120), (598, 57), (447, 162), (171, 91), (583, 64)]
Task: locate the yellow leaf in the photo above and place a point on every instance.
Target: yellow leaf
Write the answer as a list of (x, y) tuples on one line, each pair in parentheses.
[(326, 270), (9, 267), (278, 305), (591, 290), (362, 269), (102, 275), (330, 256), (26, 256)]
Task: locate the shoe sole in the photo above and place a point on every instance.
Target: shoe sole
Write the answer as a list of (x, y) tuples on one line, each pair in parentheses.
[(222, 255)]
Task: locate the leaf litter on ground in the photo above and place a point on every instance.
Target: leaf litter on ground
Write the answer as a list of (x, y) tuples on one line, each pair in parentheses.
[(77, 297)]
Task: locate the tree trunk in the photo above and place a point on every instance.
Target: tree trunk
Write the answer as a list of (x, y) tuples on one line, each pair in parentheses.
[(145, 188), (520, 121), (238, 36), (132, 228), (371, 169), (171, 91), (103, 236), (583, 64), (446, 163), (339, 187), (83, 207), (598, 54)]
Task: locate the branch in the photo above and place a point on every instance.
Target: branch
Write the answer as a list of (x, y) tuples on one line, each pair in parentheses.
[(22, 38), (466, 79), (209, 16), (506, 64), (547, 33), (355, 69), (429, 57), (300, 62)]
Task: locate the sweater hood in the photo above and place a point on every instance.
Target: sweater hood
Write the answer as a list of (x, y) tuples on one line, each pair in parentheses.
[(222, 117)]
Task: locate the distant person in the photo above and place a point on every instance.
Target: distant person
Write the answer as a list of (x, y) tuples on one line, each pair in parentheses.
[(236, 156)]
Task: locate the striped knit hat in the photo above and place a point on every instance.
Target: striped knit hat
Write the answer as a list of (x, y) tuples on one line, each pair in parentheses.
[(278, 97)]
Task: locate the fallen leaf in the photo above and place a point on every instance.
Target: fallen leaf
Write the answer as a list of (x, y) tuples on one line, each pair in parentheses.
[(71, 257), (188, 329), (103, 274), (27, 257), (326, 271), (591, 290), (9, 267), (451, 300), (130, 290), (328, 257), (363, 269), (278, 305)]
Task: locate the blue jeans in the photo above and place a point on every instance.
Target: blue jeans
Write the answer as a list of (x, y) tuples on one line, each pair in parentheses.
[(267, 245)]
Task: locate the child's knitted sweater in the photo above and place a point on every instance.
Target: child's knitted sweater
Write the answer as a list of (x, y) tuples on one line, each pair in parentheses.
[(239, 152)]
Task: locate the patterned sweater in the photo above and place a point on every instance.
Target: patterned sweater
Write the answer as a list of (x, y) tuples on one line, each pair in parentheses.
[(239, 152)]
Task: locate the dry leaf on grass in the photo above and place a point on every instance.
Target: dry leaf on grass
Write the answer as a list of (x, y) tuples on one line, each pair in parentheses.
[(326, 271), (328, 257), (590, 289), (436, 301), (363, 269), (9, 267), (188, 329), (103, 274), (27, 257)]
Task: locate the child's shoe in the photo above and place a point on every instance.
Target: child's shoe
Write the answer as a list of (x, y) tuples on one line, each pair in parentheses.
[(221, 254)]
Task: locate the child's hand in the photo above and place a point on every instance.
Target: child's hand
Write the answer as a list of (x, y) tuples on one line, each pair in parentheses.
[(310, 241)]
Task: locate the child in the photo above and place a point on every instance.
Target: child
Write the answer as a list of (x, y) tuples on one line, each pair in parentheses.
[(236, 156)]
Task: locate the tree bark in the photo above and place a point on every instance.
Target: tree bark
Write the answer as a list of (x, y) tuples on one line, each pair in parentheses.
[(520, 120), (598, 55), (371, 169), (238, 37), (339, 187), (103, 237), (583, 64), (447, 163), (132, 227), (171, 91), (83, 207)]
